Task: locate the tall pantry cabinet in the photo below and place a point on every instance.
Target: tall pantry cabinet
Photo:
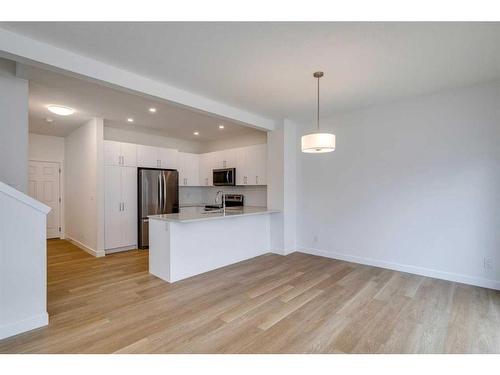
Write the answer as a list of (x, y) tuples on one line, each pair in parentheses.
[(120, 196)]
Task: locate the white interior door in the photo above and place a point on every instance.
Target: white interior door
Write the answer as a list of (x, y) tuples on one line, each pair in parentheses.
[(44, 186)]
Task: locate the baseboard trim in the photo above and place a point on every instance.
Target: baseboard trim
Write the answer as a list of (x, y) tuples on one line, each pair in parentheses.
[(283, 252), (422, 271), (24, 325), (85, 248), (119, 249)]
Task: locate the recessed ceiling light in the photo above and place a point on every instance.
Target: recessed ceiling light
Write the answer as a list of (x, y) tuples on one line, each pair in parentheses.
[(152, 110), (130, 119), (60, 110), (196, 133), (49, 120), (221, 126)]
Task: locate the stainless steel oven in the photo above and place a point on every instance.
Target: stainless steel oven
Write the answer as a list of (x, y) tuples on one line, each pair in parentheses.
[(224, 177)]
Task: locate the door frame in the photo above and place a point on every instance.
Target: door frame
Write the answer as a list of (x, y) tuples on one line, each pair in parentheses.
[(61, 193)]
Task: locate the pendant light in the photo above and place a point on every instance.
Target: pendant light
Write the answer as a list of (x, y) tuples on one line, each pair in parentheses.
[(318, 142)]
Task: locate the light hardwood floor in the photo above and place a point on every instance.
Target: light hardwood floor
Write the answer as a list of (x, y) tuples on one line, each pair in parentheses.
[(271, 304)]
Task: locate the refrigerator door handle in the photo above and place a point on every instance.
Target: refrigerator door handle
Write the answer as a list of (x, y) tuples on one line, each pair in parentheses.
[(160, 194), (164, 208)]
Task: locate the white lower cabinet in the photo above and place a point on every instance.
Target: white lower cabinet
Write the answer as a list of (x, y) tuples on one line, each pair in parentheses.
[(120, 216)]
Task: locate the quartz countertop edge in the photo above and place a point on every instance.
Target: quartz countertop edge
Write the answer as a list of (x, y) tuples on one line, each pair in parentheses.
[(201, 215)]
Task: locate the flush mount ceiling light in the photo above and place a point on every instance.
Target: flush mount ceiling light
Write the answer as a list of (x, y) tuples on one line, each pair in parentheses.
[(60, 110), (152, 110), (130, 119), (318, 142), (221, 126), (196, 133)]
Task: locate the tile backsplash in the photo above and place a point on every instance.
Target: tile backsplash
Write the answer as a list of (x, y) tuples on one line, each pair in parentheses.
[(254, 195)]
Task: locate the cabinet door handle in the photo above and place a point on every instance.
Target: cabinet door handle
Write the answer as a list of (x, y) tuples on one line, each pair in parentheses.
[(123, 206)]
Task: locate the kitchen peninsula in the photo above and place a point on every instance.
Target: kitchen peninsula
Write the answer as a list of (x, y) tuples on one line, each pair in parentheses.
[(185, 244)]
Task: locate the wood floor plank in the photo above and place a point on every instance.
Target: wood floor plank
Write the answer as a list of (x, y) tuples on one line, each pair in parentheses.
[(289, 308), (297, 303)]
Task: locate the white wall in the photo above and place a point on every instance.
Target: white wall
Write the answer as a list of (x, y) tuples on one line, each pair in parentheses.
[(151, 138), (13, 127), (46, 148), (412, 185), (242, 141), (281, 185), (85, 186), (22, 262)]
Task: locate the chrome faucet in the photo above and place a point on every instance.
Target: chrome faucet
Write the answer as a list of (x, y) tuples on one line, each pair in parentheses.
[(223, 200)]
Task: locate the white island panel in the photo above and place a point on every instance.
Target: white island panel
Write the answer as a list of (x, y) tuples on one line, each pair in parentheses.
[(178, 250)]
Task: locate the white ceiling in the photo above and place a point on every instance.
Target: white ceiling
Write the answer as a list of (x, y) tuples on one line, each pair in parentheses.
[(267, 67), (94, 100)]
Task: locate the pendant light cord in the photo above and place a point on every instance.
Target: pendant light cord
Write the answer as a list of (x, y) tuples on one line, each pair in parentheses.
[(318, 106)]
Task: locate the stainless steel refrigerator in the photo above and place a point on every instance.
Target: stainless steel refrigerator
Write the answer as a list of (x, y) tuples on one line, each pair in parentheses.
[(158, 191)]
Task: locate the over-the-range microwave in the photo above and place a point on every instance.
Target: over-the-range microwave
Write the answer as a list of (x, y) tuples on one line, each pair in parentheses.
[(224, 177)]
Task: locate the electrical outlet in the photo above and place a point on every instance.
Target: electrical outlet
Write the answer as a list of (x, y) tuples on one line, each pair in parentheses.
[(315, 238), (488, 263)]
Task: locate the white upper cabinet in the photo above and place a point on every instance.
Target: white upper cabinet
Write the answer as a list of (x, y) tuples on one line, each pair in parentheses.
[(156, 157), (224, 159), (189, 169), (194, 169), (168, 158), (251, 165), (206, 169), (119, 153), (242, 166), (129, 154), (147, 156), (260, 157)]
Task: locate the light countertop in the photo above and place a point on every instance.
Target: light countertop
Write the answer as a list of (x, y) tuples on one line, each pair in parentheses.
[(200, 214)]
